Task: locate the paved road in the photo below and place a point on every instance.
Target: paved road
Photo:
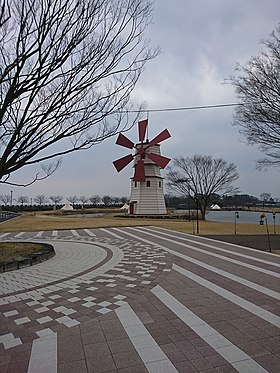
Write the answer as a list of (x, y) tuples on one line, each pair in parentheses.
[(133, 300)]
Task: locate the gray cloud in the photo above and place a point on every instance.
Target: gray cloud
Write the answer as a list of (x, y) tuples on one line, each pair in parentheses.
[(201, 41)]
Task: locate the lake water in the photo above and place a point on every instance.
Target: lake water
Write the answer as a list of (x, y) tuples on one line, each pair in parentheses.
[(89, 215), (245, 217)]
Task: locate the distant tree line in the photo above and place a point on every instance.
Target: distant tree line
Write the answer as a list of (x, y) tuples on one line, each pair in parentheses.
[(43, 202), (227, 201)]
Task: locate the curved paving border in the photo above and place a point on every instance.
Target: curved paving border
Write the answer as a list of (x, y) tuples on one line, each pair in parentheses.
[(72, 259), (87, 278)]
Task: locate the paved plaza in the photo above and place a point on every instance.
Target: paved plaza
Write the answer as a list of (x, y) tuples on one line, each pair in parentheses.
[(140, 299)]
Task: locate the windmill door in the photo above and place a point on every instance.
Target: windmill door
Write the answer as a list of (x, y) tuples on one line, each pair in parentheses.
[(132, 207)]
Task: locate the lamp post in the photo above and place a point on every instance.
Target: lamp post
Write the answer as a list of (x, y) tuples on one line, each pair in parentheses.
[(236, 216), (262, 219), (11, 198), (274, 227), (197, 225), (189, 205), (196, 197)]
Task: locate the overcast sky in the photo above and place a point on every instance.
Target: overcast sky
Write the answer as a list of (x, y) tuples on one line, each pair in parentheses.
[(201, 42)]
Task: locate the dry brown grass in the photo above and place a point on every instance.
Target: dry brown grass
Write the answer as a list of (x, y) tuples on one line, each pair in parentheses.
[(44, 222), (28, 223), (12, 250)]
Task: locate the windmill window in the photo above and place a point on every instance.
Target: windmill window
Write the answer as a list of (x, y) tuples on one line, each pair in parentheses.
[(159, 184), (148, 183), (135, 184)]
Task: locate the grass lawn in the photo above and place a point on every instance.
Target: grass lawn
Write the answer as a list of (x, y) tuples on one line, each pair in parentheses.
[(47, 221), (43, 222), (12, 250)]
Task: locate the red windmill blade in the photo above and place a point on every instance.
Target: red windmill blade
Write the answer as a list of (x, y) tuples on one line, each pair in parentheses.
[(159, 138), (141, 148), (159, 160), (142, 128), (122, 162), (124, 141)]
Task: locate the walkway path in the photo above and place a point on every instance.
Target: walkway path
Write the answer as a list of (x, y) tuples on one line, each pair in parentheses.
[(144, 299)]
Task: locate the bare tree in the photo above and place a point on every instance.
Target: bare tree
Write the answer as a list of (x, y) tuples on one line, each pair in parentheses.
[(41, 199), (56, 199), (67, 69), (22, 200), (257, 87), (107, 200), (5, 198), (265, 196), (4, 12), (84, 200), (201, 177), (116, 200), (124, 200), (94, 199), (73, 199)]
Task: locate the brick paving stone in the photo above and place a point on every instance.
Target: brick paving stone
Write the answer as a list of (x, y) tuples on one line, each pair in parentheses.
[(175, 356), (126, 359), (237, 337), (100, 365), (18, 367), (93, 337), (69, 349), (264, 326), (120, 345), (180, 325), (79, 306), (135, 369), (78, 366), (4, 368), (189, 334), (198, 342), (227, 368), (19, 356), (163, 340), (112, 335), (270, 344), (96, 349), (206, 350), (270, 362), (176, 337), (157, 332), (202, 364), (192, 354), (254, 349), (216, 360), (184, 344), (222, 326), (185, 367), (170, 347)]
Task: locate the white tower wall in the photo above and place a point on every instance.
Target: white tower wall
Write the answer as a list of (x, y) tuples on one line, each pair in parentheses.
[(147, 198)]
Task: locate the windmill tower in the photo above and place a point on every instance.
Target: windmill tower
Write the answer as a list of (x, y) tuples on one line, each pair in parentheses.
[(146, 196)]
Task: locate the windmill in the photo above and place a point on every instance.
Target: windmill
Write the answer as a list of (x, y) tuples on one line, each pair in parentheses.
[(146, 184)]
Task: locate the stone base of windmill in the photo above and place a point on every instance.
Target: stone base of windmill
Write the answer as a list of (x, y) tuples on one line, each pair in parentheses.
[(147, 197)]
